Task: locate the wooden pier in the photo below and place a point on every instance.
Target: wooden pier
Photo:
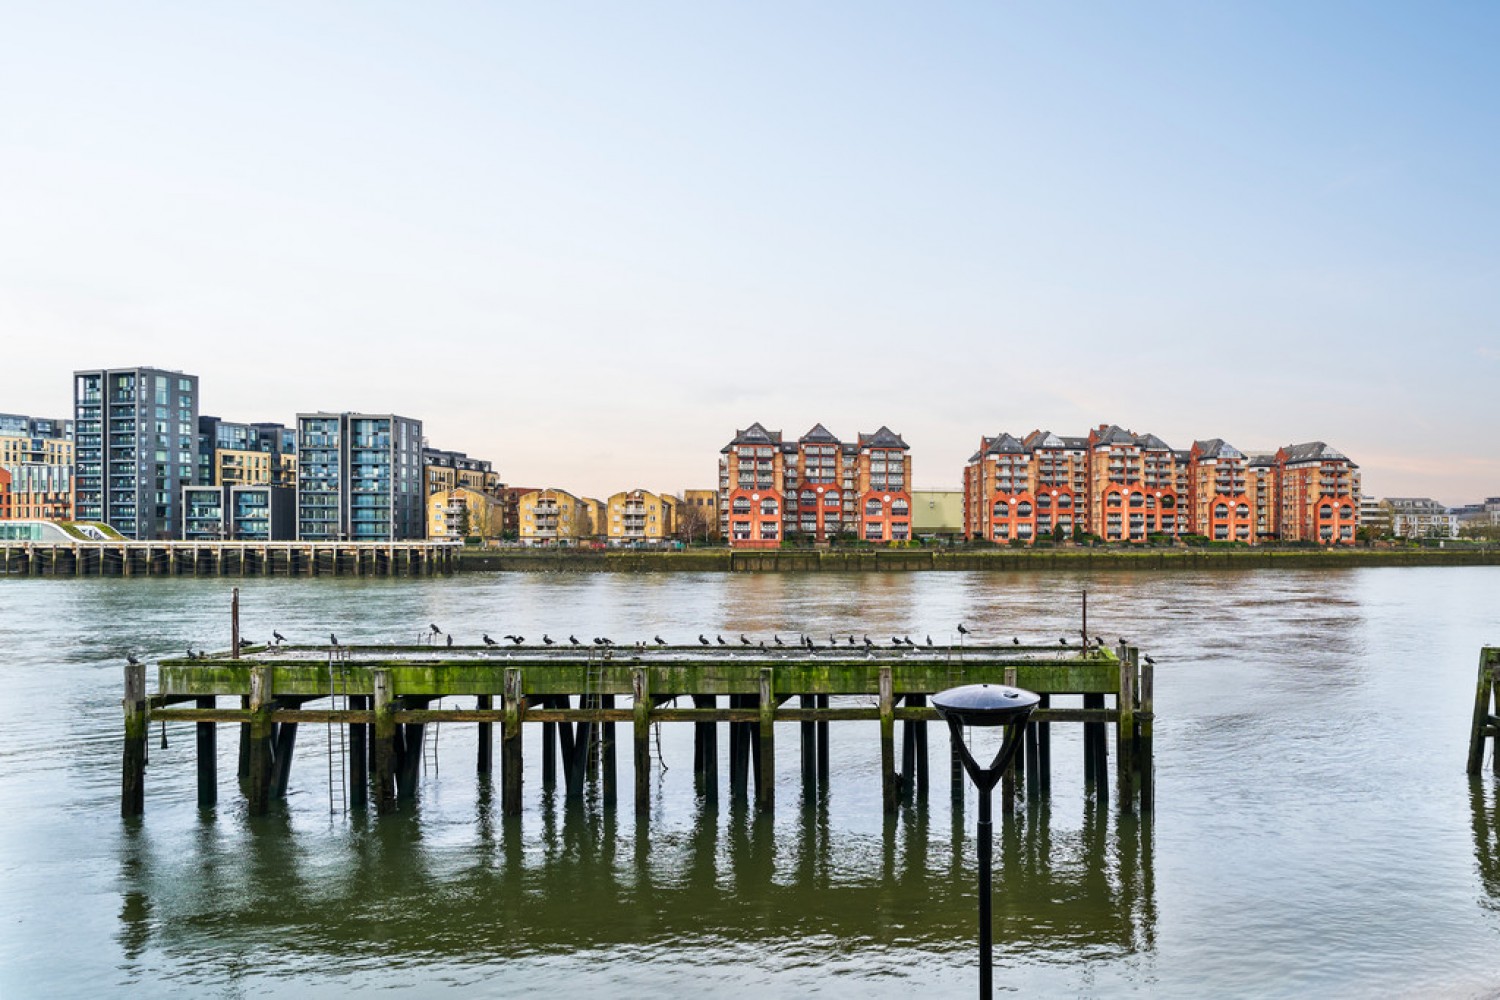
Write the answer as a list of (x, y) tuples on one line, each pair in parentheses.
[(378, 699), (220, 559), (1486, 721)]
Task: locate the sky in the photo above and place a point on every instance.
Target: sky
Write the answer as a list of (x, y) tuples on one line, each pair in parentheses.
[(591, 241)]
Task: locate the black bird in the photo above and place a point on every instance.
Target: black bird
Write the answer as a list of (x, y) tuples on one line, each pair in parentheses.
[(574, 640), (763, 644), (436, 630), (605, 640), (962, 630), (907, 640), (702, 640), (488, 641), (547, 640), (868, 643), (1063, 641), (512, 638), (929, 640), (518, 639), (130, 659), (1149, 660), (450, 638), (659, 640), (851, 639), (333, 640), (191, 654), (721, 640), (743, 640), (831, 640), (895, 641), (807, 641), (778, 640), (245, 642), (1014, 641), (278, 637), (1122, 641)]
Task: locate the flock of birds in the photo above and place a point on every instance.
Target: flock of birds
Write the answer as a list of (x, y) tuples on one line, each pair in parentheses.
[(803, 641)]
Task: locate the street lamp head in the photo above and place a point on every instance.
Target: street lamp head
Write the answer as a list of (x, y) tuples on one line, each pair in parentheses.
[(985, 704)]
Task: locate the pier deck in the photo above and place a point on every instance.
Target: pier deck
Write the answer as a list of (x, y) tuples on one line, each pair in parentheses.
[(171, 558), (384, 694)]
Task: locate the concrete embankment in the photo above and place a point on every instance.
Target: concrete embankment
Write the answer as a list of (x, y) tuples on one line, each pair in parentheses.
[(998, 560)]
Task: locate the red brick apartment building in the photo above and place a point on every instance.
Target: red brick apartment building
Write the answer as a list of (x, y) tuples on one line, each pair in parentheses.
[(1127, 487), (815, 488)]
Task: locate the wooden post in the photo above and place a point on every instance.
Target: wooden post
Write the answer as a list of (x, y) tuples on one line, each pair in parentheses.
[(486, 761), (510, 746), (208, 758), (923, 778), (808, 731), (890, 793), (1125, 731), (707, 755), (739, 760), (1044, 748), (133, 769), (1008, 779), (281, 758), (359, 760), (823, 744), (765, 786), (1144, 760), (908, 757), (234, 623), (385, 744), (1483, 724), (641, 693), (609, 779), (262, 731), (549, 755), (243, 769), (1095, 750)]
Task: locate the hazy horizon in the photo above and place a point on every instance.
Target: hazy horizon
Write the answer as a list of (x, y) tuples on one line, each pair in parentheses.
[(590, 243)]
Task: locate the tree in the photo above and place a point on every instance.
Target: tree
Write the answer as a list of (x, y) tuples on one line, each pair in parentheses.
[(692, 521)]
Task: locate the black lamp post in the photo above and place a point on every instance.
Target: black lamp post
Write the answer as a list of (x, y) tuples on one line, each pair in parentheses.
[(986, 705)]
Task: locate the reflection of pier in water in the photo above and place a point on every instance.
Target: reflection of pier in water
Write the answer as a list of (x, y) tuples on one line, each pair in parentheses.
[(591, 881)]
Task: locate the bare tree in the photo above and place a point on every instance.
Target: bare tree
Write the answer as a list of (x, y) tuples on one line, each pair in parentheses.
[(692, 521)]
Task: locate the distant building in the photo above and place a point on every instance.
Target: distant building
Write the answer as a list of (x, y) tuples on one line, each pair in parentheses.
[(449, 470), (698, 514), (1420, 517), (937, 514), (555, 517), (36, 459), (638, 517), (1374, 516), (459, 513), (239, 513), (1319, 489), (232, 453), (359, 477), (1220, 504), (135, 447)]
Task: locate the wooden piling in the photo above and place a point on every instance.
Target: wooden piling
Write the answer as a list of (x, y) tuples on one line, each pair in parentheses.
[(285, 743), (208, 758), (890, 792), (262, 734), (1484, 725), (1145, 761), (1125, 732), (486, 755), (359, 760), (510, 745), (765, 785), (808, 733), (133, 768), (823, 743), (384, 744), (641, 693), (609, 780)]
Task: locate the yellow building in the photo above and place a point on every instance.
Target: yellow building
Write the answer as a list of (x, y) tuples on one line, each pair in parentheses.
[(25, 450), (697, 515), (243, 468), (555, 517), (456, 514), (638, 517)]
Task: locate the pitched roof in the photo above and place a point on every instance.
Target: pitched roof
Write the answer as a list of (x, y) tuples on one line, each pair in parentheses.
[(754, 434), (1314, 451), (1005, 444), (1152, 443), (883, 438), (1217, 448), (819, 435)]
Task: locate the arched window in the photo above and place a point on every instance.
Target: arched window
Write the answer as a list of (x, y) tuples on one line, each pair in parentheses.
[(1065, 502), (872, 507), (1023, 508), (1136, 500), (1221, 510), (741, 505), (1112, 500), (1002, 508), (1044, 502), (1243, 510), (899, 508), (830, 499), (768, 506)]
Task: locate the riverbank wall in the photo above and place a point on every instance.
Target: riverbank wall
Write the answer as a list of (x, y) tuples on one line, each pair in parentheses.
[(923, 560)]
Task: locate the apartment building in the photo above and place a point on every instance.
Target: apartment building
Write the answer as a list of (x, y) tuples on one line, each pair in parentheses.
[(1419, 517), (36, 457), (815, 488), (234, 454), (1219, 502), (1319, 493), (557, 517), (451, 470), (239, 512), (359, 477), (1133, 485), (698, 514), (1024, 489), (460, 512), (135, 447), (638, 517)]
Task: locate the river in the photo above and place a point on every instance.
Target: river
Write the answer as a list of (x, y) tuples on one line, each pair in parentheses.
[(1314, 835)]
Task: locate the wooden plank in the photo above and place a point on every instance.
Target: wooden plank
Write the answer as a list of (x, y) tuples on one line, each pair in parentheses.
[(765, 731), (262, 732)]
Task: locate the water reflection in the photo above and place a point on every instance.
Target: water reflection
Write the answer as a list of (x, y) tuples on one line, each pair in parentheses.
[(1484, 809), (581, 879)]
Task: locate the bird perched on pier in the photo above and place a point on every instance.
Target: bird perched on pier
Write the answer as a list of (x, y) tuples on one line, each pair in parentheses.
[(778, 640), (436, 630), (488, 641), (450, 638), (831, 640), (191, 654), (130, 659), (574, 640), (721, 640), (547, 640), (1062, 641), (763, 644), (511, 638), (1122, 641), (245, 642), (851, 638), (895, 641), (807, 641), (333, 640), (1014, 641), (906, 639), (658, 640), (702, 640), (518, 639), (868, 643), (962, 630), (743, 640), (1149, 660), (278, 637), (929, 642)]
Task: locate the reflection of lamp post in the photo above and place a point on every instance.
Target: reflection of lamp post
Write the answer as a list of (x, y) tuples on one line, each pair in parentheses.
[(986, 705)]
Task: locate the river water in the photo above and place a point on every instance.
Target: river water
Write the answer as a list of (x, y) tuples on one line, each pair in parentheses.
[(1315, 833)]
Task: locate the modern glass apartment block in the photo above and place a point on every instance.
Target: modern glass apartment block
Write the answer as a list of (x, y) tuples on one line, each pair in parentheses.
[(260, 513), (135, 448), (359, 477)]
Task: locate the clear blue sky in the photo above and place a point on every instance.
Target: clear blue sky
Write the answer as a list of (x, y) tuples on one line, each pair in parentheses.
[(590, 241)]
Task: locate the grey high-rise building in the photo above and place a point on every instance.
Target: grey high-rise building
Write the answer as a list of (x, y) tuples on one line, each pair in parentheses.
[(135, 447), (359, 477)]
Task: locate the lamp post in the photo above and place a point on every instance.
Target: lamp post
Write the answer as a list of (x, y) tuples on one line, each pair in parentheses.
[(986, 705)]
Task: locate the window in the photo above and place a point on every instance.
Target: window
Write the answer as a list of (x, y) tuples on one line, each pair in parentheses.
[(872, 507), (830, 499), (1023, 508), (1002, 509), (741, 505), (1065, 501), (1044, 502), (769, 507), (899, 508)]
